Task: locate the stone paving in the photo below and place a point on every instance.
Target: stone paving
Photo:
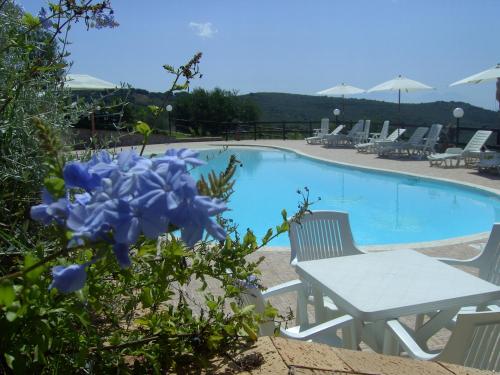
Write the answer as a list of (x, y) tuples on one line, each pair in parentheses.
[(276, 266)]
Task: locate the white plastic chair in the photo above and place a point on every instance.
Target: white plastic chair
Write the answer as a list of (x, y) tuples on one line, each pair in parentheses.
[(325, 332), (334, 140), (473, 146), (473, 343), (488, 264), (321, 234), (316, 140), (430, 143), (372, 145), (488, 261), (398, 147), (383, 132), (321, 132)]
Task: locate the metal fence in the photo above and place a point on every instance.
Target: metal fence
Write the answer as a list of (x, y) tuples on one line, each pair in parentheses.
[(300, 129)]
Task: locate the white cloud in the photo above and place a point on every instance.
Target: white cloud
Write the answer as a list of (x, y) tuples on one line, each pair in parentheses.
[(205, 30)]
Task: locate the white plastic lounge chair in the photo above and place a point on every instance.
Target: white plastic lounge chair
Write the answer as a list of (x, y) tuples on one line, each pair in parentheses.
[(320, 133), (321, 234), (398, 147), (384, 132), (320, 138), (473, 146), (325, 332), (338, 139), (363, 136), (473, 343), (430, 142), (489, 161), (372, 145)]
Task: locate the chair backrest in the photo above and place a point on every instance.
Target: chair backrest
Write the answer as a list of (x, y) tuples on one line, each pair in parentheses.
[(356, 128), (417, 136), (478, 140), (395, 134), (337, 130), (475, 341), (433, 136), (321, 234), (385, 131), (366, 129), (489, 260), (325, 126)]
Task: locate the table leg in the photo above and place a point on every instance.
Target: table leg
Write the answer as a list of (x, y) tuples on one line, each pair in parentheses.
[(438, 321), (319, 306)]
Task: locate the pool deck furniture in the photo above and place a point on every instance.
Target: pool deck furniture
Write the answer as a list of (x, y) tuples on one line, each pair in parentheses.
[(321, 132), (344, 139), (474, 341), (372, 145), (489, 162), (428, 147), (320, 235), (403, 148), (469, 154), (384, 132), (325, 332), (381, 286), (319, 139), (364, 135)]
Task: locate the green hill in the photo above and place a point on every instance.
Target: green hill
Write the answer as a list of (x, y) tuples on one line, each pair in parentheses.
[(292, 107)]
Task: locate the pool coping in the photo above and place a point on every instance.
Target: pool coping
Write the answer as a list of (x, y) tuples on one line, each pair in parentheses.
[(413, 245)]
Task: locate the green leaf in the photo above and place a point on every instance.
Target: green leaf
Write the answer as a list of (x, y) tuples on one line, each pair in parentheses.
[(30, 20), (284, 215), (250, 332), (9, 359), (143, 128), (7, 294), (268, 235), (50, 67), (146, 297), (55, 186), (234, 307), (247, 309), (169, 68), (34, 274), (11, 316)]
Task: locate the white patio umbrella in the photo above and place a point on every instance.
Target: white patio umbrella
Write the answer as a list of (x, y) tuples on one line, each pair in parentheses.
[(484, 76), (85, 82), (341, 90), (399, 84)]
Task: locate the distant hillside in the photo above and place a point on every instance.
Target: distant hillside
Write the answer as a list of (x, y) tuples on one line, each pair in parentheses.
[(292, 107)]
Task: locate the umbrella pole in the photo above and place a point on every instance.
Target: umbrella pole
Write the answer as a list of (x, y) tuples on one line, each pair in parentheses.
[(343, 108), (399, 106)]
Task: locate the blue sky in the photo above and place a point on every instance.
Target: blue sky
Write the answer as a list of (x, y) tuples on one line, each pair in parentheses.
[(298, 46)]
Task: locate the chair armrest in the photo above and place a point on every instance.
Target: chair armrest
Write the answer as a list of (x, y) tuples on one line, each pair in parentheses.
[(407, 341), (471, 262), (321, 329), (290, 286), (495, 308)]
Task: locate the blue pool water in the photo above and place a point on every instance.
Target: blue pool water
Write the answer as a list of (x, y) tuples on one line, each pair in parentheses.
[(383, 208)]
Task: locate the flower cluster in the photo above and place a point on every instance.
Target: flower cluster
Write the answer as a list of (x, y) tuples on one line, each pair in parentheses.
[(116, 200)]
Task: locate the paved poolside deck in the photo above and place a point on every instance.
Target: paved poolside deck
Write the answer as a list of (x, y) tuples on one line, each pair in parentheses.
[(276, 268)]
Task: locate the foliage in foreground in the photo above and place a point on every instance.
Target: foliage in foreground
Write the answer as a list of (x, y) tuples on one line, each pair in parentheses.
[(83, 295)]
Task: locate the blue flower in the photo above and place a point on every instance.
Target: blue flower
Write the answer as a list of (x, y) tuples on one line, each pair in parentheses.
[(105, 20), (44, 21), (121, 253), (50, 210), (194, 217), (179, 158), (69, 279), (76, 174)]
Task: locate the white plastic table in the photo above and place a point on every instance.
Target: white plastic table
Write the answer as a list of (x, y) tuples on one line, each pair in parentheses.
[(376, 287)]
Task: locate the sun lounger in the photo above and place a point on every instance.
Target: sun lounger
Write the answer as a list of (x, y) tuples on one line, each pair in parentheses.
[(372, 145), (338, 139), (489, 161), (320, 133), (430, 142), (472, 149), (321, 139), (416, 139)]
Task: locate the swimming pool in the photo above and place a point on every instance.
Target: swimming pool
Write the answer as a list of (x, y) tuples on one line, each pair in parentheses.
[(384, 208)]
